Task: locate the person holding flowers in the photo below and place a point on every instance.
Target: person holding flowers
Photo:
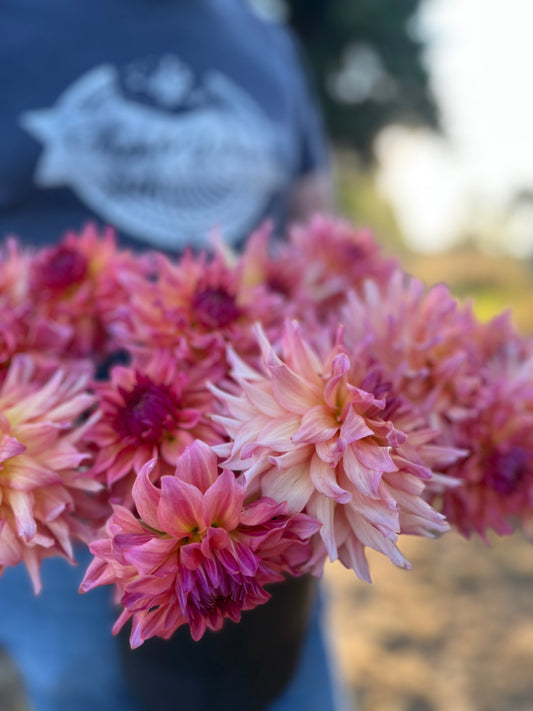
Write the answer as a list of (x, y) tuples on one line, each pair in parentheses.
[(214, 425), (169, 121)]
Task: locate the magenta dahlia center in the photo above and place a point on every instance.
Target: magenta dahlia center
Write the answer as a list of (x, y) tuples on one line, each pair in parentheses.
[(63, 267), (215, 306), (149, 410), (506, 469)]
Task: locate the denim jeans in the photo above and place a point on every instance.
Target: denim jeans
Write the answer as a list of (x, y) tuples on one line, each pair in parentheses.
[(62, 644)]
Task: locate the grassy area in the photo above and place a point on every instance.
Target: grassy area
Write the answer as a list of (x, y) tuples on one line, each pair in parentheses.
[(494, 284)]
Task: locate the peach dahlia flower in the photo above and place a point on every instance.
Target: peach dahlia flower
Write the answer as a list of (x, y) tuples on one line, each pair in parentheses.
[(303, 432), (41, 487)]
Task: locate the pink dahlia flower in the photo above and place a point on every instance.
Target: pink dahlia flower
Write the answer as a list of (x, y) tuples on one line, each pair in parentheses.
[(41, 487), (496, 479), (22, 328), (422, 341), (337, 257), (304, 432), (194, 308), (79, 285), (195, 552), (153, 413)]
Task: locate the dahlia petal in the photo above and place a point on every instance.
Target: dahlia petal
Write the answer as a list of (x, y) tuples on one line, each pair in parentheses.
[(373, 538), (216, 538), (151, 557), (121, 465), (247, 562), (192, 556), (366, 480), (318, 424), (122, 543), (303, 526), (32, 562), (239, 368), (22, 505), (332, 451), (407, 465), (189, 418), (198, 627), (325, 481), (71, 408), (261, 399), (172, 448), (352, 556), (67, 458), (10, 547), (303, 358), (278, 433), (249, 432), (10, 447), (374, 457), (339, 369), (142, 455), (382, 517), (146, 496), (85, 483), (51, 502), (322, 509), (61, 532), (181, 507), (237, 405), (262, 510), (292, 485), (228, 561), (198, 465), (223, 501), (291, 392), (26, 474), (354, 427), (135, 639), (97, 573)]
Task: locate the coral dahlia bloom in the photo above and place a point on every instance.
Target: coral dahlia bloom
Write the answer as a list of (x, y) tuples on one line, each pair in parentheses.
[(41, 488), (195, 552), (303, 432), (78, 283)]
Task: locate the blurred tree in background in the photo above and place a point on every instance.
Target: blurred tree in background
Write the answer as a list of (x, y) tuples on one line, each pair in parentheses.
[(367, 63)]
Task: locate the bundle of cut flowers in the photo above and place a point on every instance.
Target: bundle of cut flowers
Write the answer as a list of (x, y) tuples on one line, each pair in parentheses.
[(212, 423)]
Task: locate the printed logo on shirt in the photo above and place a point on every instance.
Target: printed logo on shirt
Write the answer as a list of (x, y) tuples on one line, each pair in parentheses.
[(167, 169)]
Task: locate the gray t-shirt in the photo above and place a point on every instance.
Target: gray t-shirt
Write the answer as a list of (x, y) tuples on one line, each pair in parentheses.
[(164, 118)]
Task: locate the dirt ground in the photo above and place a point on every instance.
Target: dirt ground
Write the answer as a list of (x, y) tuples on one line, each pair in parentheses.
[(453, 634)]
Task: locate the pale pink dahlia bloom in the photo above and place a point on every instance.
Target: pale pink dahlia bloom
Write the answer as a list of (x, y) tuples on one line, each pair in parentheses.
[(195, 552), (151, 413), (41, 487), (303, 432)]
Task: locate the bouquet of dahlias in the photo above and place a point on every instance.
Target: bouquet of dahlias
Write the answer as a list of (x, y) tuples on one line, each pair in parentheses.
[(211, 424)]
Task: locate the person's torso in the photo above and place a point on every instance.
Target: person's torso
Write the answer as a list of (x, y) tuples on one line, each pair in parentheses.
[(166, 119)]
